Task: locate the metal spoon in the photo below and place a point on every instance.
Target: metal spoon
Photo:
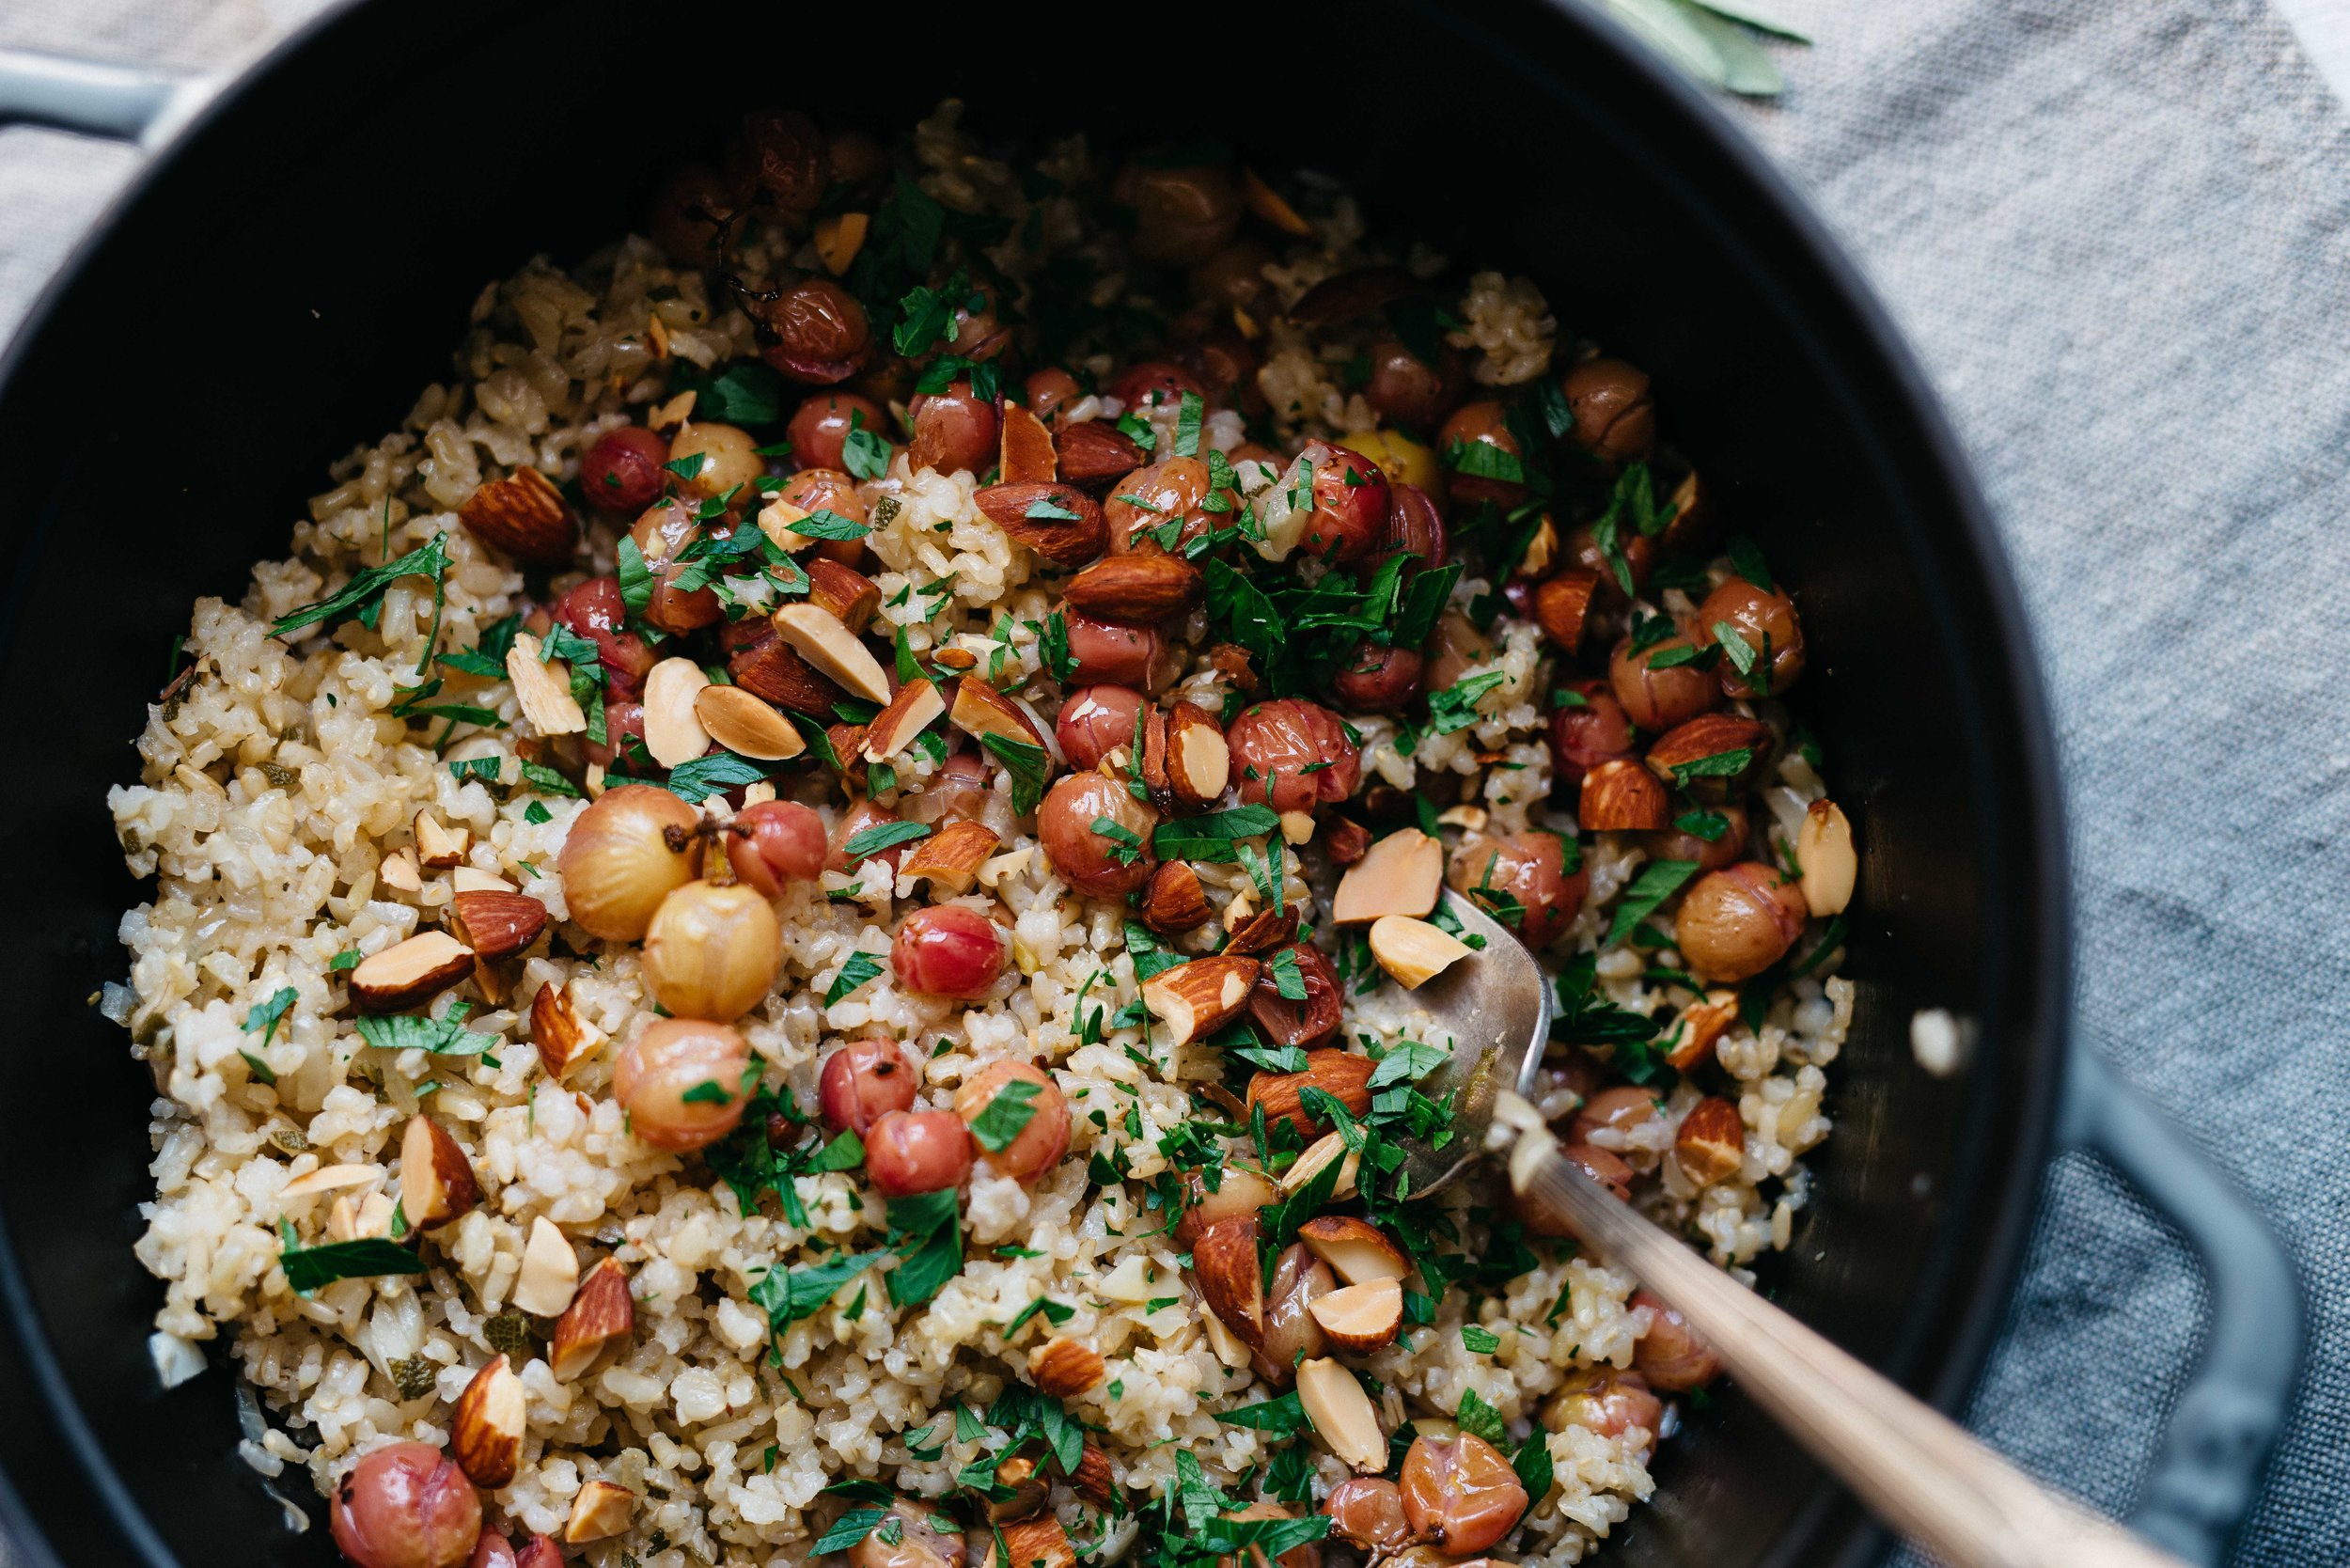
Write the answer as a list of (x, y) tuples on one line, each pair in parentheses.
[(1915, 1469)]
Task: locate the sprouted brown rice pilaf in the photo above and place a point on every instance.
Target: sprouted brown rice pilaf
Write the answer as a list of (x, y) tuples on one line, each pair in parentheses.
[(789, 929)]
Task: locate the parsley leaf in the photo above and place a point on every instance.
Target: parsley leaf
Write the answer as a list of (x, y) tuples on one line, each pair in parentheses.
[(1216, 836), (1007, 1115), (266, 1016), (860, 967), (1658, 880), (703, 777), (369, 1257), (882, 835), (1455, 707), (364, 593)]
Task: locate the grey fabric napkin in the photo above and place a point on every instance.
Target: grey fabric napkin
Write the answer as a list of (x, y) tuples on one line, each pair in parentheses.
[(2116, 235)]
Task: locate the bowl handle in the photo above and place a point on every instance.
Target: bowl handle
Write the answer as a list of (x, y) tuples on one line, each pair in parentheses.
[(2226, 1420), (96, 99)]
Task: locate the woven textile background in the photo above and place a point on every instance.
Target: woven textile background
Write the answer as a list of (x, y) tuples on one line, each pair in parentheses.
[(2118, 234)]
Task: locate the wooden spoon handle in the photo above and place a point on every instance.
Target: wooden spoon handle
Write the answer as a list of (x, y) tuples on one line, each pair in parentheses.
[(1915, 1469)]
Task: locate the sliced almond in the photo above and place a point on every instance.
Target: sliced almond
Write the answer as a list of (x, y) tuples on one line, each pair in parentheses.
[(1037, 1542), (1173, 901), (850, 596), (980, 710), (375, 1215), (601, 1511), (497, 924), (745, 726), (342, 1220), (399, 872), (1356, 1251), (1540, 551), (465, 879), (1830, 865), (951, 858), (1226, 1344), (486, 1427), (672, 732), (545, 697), (817, 637), (330, 1177), (437, 846), (1065, 1368), (436, 1181), (562, 1036), (1472, 817), (1318, 1153), (1400, 875), (1341, 1414), (601, 1311), (550, 1271), (410, 972), (1700, 1025), (1363, 1318), (838, 237), (1297, 828), (1413, 950), (1231, 1278), (1199, 997), (1199, 762), (1711, 1144), (1269, 207), (1024, 454), (778, 520), (917, 705)]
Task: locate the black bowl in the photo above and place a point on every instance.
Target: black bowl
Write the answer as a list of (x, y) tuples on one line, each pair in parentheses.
[(283, 281)]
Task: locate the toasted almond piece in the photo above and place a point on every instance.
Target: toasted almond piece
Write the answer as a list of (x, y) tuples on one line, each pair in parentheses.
[(1708, 736), (1173, 902), (1297, 828), (524, 515), (1830, 865), (1226, 1344), (778, 520), (1261, 931), (330, 1177), (486, 1427), (1362, 1318), (911, 711), (410, 972), (563, 1038), (1094, 1481), (1036, 1541), (600, 1511), (1231, 1279), (853, 597), (1268, 206), (745, 726), (1356, 1251), (465, 879), (1562, 604), (951, 857), (1057, 520), (498, 924), (766, 667), (1413, 950), (1025, 453), (1345, 1077), (1710, 1145), (838, 237), (1400, 875), (1199, 997), (601, 1311), (1620, 795), (550, 1271), (672, 732), (342, 1220), (1700, 1026), (399, 872), (1318, 1153), (980, 710), (1027, 1490), (675, 412), (1472, 817), (1093, 452), (1199, 762), (375, 1215), (1345, 840), (1239, 1190), (1065, 1369), (1540, 550), (817, 637), (1135, 589), (545, 697), (1342, 1413), (439, 847), (436, 1181)]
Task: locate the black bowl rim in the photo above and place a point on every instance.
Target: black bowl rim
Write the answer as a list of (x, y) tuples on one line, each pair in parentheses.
[(1806, 243)]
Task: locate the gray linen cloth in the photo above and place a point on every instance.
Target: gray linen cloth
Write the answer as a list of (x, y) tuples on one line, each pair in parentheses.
[(2118, 233)]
